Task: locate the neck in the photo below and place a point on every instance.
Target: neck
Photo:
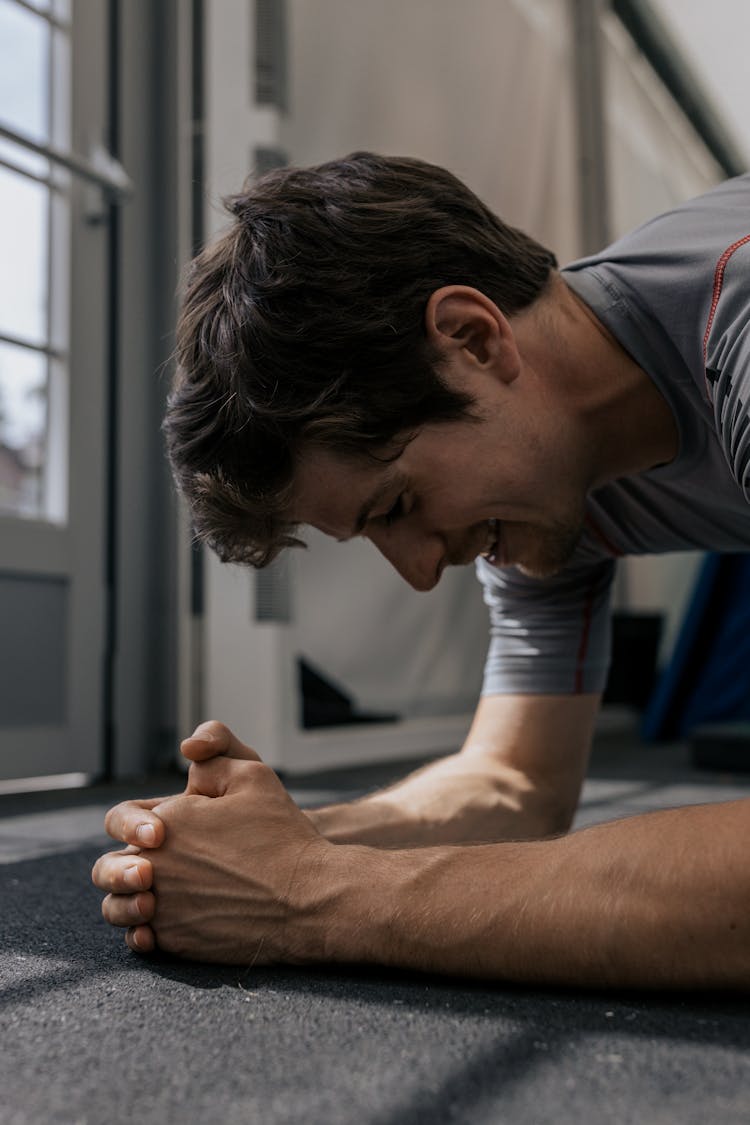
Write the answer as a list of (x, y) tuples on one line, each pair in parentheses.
[(625, 424)]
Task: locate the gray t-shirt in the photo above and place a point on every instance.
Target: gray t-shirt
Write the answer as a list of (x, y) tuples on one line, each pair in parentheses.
[(676, 294)]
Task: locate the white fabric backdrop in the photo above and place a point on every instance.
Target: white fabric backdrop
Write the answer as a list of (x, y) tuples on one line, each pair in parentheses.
[(485, 88)]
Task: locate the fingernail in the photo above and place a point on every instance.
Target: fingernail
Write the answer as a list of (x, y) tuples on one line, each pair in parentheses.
[(135, 937), (132, 876), (145, 834)]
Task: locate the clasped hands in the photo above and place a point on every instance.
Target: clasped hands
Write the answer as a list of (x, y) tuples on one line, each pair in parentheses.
[(231, 870)]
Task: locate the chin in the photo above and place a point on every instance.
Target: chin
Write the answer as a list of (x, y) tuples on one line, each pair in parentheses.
[(547, 552), (540, 569)]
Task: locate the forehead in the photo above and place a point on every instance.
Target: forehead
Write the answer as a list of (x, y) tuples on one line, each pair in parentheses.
[(332, 491)]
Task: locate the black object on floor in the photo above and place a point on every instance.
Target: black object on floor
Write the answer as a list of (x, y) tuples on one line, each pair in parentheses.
[(721, 746), (326, 704), (635, 651)]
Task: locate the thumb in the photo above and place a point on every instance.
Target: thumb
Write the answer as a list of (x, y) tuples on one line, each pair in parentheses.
[(222, 775), (211, 739)]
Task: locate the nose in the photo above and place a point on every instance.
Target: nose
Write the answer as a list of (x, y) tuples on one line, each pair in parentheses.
[(418, 557)]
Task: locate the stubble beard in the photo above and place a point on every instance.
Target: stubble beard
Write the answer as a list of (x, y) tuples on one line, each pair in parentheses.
[(549, 549), (536, 551)]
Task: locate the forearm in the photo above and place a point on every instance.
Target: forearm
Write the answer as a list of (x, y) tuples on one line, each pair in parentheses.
[(517, 777), (453, 800), (661, 900)]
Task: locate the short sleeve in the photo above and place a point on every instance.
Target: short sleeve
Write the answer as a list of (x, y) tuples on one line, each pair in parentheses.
[(548, 635)]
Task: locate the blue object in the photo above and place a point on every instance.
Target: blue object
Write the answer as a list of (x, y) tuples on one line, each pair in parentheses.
[(708, 677)]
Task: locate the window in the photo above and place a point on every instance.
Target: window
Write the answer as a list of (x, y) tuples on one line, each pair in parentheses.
[(34, 235)]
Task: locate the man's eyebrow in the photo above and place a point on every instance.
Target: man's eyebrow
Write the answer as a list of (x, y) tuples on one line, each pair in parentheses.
[(368, 507)]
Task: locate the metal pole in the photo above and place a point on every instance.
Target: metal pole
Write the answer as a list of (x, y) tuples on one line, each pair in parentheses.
[(588, 83)]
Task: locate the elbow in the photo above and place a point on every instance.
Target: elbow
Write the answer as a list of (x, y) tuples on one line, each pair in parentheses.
[(549, 813)]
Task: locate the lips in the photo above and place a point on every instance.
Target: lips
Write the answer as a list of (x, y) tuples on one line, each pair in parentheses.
[(492, 542)]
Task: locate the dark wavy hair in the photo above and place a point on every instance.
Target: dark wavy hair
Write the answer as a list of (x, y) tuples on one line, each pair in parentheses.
[(304, 324)]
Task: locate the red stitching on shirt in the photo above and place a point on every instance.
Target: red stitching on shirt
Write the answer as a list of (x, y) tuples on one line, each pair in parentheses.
[(584, 642), (721, 266)]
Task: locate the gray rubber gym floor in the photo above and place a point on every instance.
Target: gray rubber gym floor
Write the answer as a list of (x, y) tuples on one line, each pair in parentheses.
[(93, 1034)]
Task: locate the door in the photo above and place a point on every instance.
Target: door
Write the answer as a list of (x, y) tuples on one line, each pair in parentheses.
[(54, 245)]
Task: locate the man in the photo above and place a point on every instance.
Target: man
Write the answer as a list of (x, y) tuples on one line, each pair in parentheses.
[(370, 351)]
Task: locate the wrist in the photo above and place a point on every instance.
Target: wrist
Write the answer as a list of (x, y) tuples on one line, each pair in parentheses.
[(374, 821), (387, 908), (356, 902)]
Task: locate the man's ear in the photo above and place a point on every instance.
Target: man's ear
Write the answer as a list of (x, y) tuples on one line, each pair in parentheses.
[(459, 318)]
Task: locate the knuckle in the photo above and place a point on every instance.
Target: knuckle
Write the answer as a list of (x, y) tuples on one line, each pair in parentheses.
[(110, 820), (146, 872), (140, 938), (101, 873), (118, 822), (261, 773), (144, 904), (197, 769), (219, 733)]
